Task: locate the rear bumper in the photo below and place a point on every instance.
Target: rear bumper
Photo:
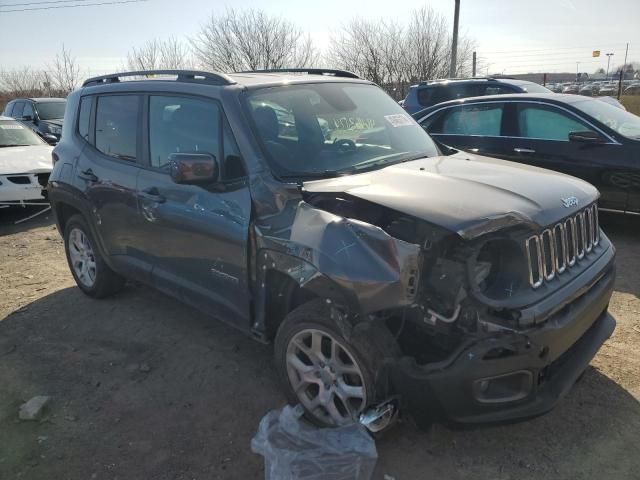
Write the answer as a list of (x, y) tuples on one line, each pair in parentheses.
[(535, 370)]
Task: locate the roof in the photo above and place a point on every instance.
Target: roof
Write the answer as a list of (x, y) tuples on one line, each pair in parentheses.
[(525, 97), (39, 99), (244, 79), (444, 81)]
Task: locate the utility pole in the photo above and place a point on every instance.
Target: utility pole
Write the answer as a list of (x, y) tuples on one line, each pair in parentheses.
[(454, 41), (577, 74), (622, 71), (609, 55), (473, 70)]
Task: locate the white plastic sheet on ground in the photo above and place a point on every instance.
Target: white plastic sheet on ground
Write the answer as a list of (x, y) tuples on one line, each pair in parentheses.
[(293, 449)]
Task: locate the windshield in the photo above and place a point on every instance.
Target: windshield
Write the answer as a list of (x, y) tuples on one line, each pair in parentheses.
[(13, 134), (625, 123), (333, 128), (51, 110)]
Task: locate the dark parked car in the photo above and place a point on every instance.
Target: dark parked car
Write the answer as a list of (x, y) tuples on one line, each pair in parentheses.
[(432, 92), (43, 115), (310, 210), (583, 137)]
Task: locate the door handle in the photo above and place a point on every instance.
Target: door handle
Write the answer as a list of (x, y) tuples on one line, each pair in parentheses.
[(152, 194), (88, 175), (524, 150)]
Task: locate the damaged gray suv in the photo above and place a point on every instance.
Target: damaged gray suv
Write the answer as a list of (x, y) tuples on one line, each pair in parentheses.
[(307, 209)]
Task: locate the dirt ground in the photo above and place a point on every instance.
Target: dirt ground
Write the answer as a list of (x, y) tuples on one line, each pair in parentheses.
[(143, 387)]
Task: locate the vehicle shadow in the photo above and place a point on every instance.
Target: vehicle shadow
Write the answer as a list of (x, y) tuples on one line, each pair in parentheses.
[(142, 386), (9, 217), (624, 232)]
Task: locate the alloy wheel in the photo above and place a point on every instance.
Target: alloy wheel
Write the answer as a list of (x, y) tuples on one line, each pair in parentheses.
[(82, 257), (325, 377)]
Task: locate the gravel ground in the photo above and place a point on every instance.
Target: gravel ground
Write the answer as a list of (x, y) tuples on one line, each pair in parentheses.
[(143, 387)]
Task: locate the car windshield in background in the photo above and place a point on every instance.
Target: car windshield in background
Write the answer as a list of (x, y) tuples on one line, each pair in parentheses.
[(51, 110), (625, 123), (331, 128), (13, 134)]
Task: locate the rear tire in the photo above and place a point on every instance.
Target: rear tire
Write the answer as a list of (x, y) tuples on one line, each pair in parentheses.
[(92, 275), (332, 377)]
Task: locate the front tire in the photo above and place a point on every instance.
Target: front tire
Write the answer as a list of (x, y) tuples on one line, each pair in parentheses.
[(92, 275), (334, 379)]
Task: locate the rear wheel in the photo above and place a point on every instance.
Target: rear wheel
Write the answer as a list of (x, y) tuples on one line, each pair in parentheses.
[(91, 273), (332, 378)]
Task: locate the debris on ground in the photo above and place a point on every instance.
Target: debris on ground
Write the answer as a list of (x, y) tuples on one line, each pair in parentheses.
[(293, 449), (32, 410), (145, 368)]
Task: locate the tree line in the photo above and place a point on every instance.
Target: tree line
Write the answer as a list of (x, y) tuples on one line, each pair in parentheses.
[(387, 52)]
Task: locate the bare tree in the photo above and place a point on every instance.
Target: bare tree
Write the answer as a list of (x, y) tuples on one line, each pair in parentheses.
[(251, 40), (22, 82), (171, 54), (64, 75), (395, 55)]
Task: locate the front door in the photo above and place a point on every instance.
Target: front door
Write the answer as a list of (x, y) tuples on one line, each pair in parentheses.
[(195, 236), (542, 139)]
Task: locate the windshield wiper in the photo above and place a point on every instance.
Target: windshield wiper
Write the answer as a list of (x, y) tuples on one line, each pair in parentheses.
[(17, 145)]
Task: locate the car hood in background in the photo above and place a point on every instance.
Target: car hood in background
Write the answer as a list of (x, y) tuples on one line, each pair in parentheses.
[(54, 121), (468, 194), (31, 159)]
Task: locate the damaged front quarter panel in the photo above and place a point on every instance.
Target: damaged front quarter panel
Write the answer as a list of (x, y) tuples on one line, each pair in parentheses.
[(374, 270)]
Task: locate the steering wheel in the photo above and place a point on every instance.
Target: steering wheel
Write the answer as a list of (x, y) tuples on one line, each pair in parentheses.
[(345, 145)]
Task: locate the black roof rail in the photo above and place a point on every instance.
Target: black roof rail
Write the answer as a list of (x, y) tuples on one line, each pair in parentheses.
[(310, 71), (181, 76), (495, 77)]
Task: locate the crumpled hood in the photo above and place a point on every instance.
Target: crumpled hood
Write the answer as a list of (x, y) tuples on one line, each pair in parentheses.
[(465, 193), (31, 159)]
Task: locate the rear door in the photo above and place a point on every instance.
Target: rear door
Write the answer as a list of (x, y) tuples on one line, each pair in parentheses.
[(472, 127), (542, 139), (195, 236), (106, 172)]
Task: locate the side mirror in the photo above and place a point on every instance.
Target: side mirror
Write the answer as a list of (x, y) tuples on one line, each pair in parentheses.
[(193, 168), (587, 136), (50, 139)]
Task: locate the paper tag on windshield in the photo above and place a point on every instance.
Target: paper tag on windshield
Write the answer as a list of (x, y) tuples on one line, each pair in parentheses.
[(11, 127), (398, 120)]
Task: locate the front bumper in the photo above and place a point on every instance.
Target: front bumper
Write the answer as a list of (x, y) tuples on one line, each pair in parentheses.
[(532, 369), (20, 187)]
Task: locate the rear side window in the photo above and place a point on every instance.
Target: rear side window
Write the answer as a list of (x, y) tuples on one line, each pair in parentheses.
[(84, 117), (117, 126), (17, 110), (547, 123), (469, 120), (433, 95)]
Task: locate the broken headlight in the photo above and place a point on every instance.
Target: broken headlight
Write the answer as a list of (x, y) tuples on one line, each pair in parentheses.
[(499, 270)]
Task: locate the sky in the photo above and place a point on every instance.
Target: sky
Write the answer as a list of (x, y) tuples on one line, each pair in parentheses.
[(512, 36)]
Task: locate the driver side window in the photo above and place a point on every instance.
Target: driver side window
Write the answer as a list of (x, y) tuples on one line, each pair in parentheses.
[(546, 122), (28, 110)]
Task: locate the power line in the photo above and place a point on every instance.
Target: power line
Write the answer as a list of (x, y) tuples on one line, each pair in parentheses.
[(73, 6), (598, 47), (39, 3)]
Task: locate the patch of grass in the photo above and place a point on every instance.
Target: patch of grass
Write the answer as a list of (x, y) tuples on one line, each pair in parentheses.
[(631, 103)]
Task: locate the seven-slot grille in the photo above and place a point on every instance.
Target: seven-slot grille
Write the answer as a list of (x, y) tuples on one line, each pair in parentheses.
[(559, 247)]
